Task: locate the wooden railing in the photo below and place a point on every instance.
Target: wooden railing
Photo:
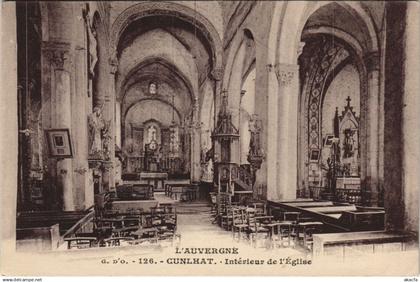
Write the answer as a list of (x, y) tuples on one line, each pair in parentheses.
[(242, 178), (136, 164)]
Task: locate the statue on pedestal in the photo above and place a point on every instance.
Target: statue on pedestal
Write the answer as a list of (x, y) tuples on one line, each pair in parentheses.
[(96, 127), (255, 150)]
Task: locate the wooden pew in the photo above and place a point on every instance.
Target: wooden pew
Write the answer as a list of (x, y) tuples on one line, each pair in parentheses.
[(341, 243), (312, 204), (338, 217), (126, 206), (65, 219), (335, 209), (41, 238)]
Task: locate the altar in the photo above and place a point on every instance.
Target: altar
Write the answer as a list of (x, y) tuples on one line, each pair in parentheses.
[(156, 179)]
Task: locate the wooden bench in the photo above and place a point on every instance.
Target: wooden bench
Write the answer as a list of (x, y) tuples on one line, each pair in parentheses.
[(126, 206), (81, 242), (337, 242), (333, 209), (41, 238)]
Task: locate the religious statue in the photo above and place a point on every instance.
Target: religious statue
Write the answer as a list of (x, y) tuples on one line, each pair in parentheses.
[(348, 146), (106, 143), (96, 126), (93, 45), (152, 88), (151, 134), (207, 171), (255, 129), (173, 143), (203, 154)]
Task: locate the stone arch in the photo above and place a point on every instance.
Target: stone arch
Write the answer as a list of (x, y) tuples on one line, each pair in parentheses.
[(295, 16), (150, 60), (247, 109), (235, 46), (147, 9), (148, 99), (357, 52), (284, 49)]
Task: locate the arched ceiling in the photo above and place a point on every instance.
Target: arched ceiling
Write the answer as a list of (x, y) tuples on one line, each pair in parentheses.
[(185, 33), (172, 88), (336, 16), (157, 45)]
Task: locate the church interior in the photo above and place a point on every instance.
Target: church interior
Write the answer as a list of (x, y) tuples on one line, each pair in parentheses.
[(289, 125)]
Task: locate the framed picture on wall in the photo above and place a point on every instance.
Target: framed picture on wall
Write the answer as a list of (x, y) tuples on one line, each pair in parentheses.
[(314, 156), (59, 143), (328, 141)]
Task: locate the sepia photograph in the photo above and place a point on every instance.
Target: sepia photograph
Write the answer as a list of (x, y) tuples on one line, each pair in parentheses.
[(209, 138)]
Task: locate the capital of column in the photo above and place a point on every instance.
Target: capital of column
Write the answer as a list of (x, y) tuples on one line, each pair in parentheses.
[(286, 73), (372, 61), (58, 54), (217, 74)]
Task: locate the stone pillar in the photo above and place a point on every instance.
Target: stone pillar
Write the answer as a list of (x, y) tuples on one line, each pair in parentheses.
[(272, 159), (59, 56), (410, 119), (234, 88), (242, 154), (118, 124), (372, 172), (195, 145), (108, 176), (80, 108), (288, 79), (394, 202), (217, 75), (9, 143)]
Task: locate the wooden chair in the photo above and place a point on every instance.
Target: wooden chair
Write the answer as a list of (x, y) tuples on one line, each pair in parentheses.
[(260, 209), (226, 217), (239, 223), (255, 227), (223, 207), (305, 230), (287, 227)]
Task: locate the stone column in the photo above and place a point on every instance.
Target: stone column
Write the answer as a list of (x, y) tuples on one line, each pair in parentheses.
[(372, 172), (118, 124), (242, 159), (195, 144), (59, 57), (108, 176), (272, 134), (80, 108), (410, 119), (217, 75), (288, 80), (8, 143)]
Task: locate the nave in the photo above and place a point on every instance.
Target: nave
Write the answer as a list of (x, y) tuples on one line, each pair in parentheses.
[(293, 124)]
